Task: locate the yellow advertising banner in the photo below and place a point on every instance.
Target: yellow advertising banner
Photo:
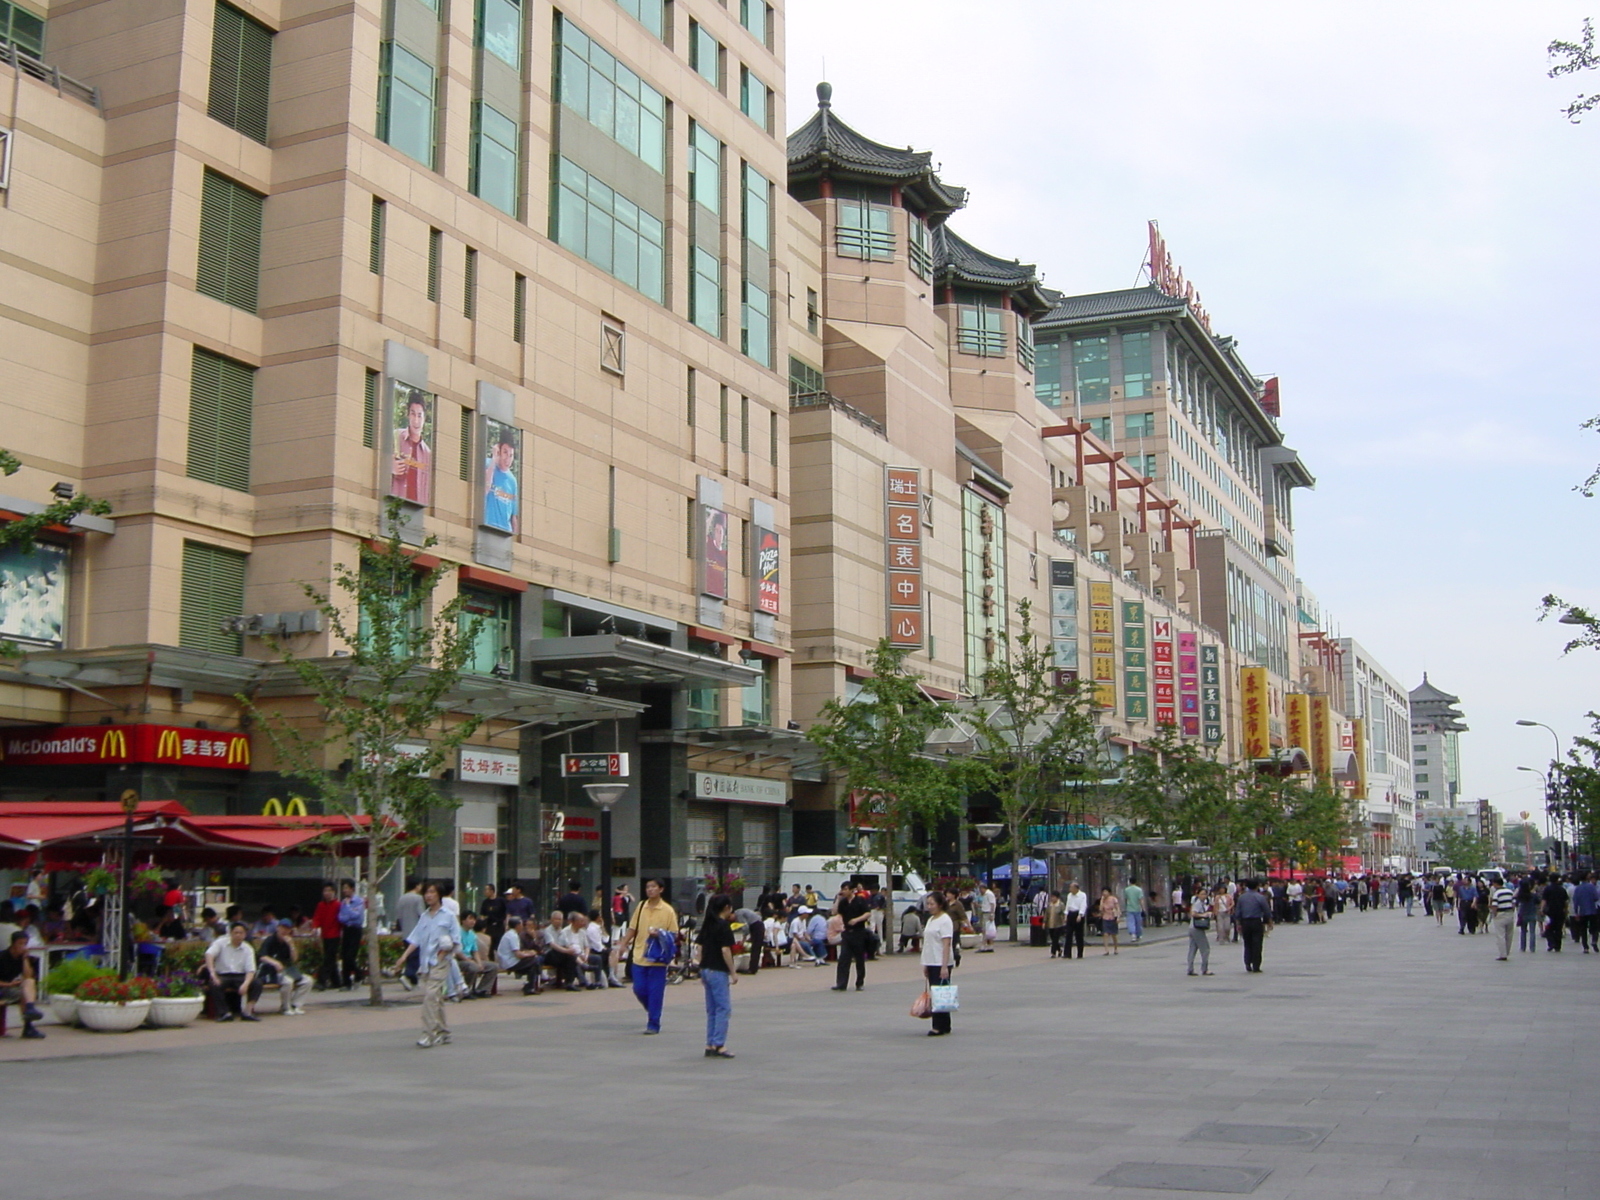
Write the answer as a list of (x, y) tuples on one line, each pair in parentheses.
[(1256, 710), (1297, 708), (1360, 751), (1104, 668), (1105, 695), (1099, 595), (1321, 735), (1100, 620)]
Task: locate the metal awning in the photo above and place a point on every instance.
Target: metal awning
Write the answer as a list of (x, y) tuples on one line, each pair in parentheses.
[(133, 666), (485, 696), (611, 660), (755, 743), (1288, 760)]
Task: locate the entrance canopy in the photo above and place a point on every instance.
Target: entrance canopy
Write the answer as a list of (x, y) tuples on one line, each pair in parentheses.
[(1028, 868)]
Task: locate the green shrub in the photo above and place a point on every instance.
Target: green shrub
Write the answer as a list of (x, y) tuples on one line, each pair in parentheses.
[(67, 977), (187, 956)]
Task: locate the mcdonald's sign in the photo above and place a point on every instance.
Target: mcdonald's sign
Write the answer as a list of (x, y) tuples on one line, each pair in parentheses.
[(94, 745), (296, 807)]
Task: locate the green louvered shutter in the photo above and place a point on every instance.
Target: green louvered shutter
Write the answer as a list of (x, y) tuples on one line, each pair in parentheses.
[(230, 242), (221, 399), (369, 412), (241, 72), (212, 591), (466, 444)]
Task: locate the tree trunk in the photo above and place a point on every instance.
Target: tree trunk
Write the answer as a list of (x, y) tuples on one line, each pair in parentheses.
[(374, 952), (1016, 853)]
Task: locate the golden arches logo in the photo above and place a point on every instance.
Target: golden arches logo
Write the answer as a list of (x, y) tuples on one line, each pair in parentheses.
[(296, 807), (169, 745), (114, 744), (272, 808), (239, 753)]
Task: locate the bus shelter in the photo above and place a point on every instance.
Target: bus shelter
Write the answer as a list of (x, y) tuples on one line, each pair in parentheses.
[(1093, 865)]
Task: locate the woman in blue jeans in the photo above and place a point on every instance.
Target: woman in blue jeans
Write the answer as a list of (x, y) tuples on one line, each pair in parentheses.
[(716, 974)]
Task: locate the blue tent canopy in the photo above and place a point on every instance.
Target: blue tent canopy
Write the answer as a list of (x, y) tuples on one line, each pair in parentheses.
[(1029, 867)]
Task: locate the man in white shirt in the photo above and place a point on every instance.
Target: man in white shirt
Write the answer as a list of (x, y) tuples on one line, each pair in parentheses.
[(231, 966), (988, 906), (569, 949), (1296, 894), (1077, 902)]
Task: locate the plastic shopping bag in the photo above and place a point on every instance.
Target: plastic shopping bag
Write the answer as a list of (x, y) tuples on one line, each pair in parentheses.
[(944, 998), (922, 1006)]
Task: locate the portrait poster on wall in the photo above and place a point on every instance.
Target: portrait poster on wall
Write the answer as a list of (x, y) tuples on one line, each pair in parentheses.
[(502, 476), (411, 446), (713, 552)]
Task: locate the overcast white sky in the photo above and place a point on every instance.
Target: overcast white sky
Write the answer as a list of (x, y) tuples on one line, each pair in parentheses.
[(1384, 204)]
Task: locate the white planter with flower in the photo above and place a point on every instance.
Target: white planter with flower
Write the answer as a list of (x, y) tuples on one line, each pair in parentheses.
[(63, 1007), (112, 1017), (173, 1012)]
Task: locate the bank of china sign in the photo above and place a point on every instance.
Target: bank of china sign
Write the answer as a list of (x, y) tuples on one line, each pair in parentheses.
[(741, 788)]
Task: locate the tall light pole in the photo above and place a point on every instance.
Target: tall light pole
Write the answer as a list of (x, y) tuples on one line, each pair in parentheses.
[(604, 796), (1551, 781), (1549, 810), (988, 831)]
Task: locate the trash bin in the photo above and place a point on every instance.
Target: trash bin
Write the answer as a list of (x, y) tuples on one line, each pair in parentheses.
[(1036, 933)]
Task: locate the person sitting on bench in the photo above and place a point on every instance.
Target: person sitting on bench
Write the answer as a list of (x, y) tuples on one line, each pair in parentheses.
[(235, 986), (17, 984)]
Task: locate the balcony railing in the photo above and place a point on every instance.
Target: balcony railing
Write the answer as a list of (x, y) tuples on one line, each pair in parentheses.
[(64, 85), (804, 400)]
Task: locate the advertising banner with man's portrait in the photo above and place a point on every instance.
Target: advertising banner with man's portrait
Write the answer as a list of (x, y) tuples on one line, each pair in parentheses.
[(411, 437), (502, 476), (713, 552), (33, 593)]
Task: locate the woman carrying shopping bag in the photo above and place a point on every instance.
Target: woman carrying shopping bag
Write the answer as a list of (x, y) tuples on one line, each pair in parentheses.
[(938, 936)]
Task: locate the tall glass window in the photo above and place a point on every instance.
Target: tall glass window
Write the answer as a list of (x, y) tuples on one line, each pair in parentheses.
[(752, 97), (705, 54), (705, 292), (1136, 370), (1091, 368), (865, 231), (1047, 374), (405, 103), (609, 230), (500, 30), (757, 212), (492, 619), (705, 169), (755, 322), (921, 243), (1025, 353), (593, 84), (647, 12), (979, 329), (756, 701), (494, 174), (753, 16), (22, 29)]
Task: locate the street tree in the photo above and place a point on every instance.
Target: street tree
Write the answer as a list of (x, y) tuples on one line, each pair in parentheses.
[(1580, 784), (382, 708), (875, 745), (1461, 848), (1570, 58), (1180, 790), (1029, 734), (1294, 819)]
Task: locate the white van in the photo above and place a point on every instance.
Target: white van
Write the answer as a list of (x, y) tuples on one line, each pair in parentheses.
[(808, 871)]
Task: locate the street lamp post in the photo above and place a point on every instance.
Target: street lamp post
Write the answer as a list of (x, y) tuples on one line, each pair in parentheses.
[(130, 805), (988, 831), (604, 796), (1552, 786)]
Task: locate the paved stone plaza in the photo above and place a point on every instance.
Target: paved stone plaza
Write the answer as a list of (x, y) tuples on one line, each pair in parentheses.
[(1377, 1056)]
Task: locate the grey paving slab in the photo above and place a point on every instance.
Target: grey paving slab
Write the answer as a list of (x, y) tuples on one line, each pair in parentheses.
[(1424, 1068)]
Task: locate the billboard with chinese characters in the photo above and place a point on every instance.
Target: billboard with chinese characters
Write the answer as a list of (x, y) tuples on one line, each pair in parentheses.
[(1321, 735), (902, 489), (1211, 694), (765, 571), (1135, 662), (33, 593), (1064, 619), (481, 765), (1189, 684), (80, 745), (1163, 675), (1297, 714), (1102, 644), (1256, 711)]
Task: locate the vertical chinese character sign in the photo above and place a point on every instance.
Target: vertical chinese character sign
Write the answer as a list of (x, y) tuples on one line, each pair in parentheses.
[(903, 496), (1253, 691), (766, 571), (1189, 684), (1162, 672), (1064, 619), (1297, 711), (1321, 735), (1135, 667), (1102, 644), (1211, 694)]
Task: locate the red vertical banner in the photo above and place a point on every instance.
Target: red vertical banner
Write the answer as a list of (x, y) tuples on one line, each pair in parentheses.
[(1161, 671), (903, 555), (1189, 685)]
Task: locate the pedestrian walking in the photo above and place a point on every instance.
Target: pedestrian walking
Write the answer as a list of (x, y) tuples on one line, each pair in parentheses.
[(717, 974), (434, 941), (938, 936), (1503, 903), (1055, 922), (1110, 916), (326, 919), (1255, 919), (1199, 931), (1133, 901), (1527, 915), (1586, 913), (755, 938), (853, 940), (1440, 893), (1553, 908), (352, 930), (649, 970), (1077, 905)]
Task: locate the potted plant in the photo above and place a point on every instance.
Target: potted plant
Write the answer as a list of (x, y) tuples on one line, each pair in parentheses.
[(178, 1001), (98, 881), (62, 983), (110, 1005)]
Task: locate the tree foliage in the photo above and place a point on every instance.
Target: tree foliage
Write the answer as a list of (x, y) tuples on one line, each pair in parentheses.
[(1570, 58), (1461, 848), (876, 747), (1029, 734), (383, 710), (24, 532)]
